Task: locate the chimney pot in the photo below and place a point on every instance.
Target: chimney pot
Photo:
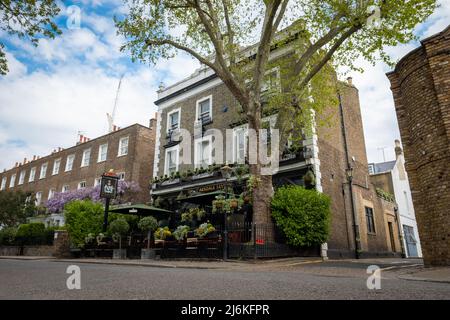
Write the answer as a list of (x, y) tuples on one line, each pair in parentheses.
[(350, 81), (398, 149)]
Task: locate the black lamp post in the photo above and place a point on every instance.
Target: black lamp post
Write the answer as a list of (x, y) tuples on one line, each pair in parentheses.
[(349, 174), (226, 172)]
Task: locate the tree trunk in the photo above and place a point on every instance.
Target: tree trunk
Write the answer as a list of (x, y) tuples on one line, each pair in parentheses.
[(263, 189)]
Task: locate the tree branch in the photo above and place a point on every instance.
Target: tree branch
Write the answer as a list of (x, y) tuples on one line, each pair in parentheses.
[(329, 54)]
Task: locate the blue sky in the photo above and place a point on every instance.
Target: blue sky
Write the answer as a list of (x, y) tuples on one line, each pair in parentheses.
[(68, 84)]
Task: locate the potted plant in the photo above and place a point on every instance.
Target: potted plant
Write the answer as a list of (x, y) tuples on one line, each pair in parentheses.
[(204, 229), (162, 233), (180, 233), (149, 225), (119, 228)]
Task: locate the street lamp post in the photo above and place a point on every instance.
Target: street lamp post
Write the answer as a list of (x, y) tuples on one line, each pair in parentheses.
[(349, 174), (226, 172)]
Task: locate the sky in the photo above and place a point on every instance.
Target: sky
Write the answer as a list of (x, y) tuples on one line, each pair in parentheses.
[(67, 85)]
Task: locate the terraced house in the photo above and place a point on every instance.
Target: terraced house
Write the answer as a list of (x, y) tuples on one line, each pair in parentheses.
[(128, 151), (333, 160)]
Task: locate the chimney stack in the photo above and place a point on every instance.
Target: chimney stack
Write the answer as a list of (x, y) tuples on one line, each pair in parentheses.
[(24, 160), (152, 123), (34, 157), (398, 149)]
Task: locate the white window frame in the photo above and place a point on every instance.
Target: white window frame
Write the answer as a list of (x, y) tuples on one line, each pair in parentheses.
[(51, 193), (56, 166), (71, 156), (64, 188), (166, 159), (197, 108), (79, 185), (32, 174), (12, 181), (97, 181), (243, 128), (38, 198), (3, 185), (119, 152), (121, 176), (22, 177), (168, 126), (43, 173), (99, 159), (265, 87), (84, 158), (196, 144)]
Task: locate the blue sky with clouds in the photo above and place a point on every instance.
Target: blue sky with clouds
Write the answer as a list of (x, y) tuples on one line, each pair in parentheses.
[(68, 84)]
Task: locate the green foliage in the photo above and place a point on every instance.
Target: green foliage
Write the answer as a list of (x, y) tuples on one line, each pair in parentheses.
[(31, 234), (27, 19), (385, 195), (15, 207), (181, 232), (204, 229), (8, 236), (303, 215), (119, 227), (82, 218), (148, 224), (162, 233), (193, 213)]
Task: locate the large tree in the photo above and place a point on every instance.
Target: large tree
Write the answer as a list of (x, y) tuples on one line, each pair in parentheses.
[(27, 19), (15, 207), (215, 32)]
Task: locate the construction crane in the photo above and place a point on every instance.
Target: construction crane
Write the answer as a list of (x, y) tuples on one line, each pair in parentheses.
[(111, 117)]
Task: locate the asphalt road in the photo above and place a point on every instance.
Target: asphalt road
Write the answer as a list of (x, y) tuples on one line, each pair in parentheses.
[(45, 279)]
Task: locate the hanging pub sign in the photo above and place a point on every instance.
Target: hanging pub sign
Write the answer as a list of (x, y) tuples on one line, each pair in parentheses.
[(109, 185)]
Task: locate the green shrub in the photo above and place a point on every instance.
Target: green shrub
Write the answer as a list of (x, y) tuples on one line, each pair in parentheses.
[(8, 236), (82, 218), (148, 224), (119, 227), (303, 215), (31, 234)]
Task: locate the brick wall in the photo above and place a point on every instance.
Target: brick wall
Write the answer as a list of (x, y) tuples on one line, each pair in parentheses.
[(421, 89), (137, 164)]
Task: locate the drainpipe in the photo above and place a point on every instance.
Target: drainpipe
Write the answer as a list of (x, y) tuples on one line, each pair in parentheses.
[(400, 233), (350, 182)]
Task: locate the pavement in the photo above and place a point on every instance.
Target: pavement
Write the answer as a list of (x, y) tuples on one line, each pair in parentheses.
[(280, 279), (406, 269)]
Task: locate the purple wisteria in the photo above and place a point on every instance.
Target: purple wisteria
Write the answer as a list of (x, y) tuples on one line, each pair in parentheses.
[(126, 190)]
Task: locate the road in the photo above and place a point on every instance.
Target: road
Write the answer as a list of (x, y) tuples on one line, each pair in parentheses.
[(46, 279)]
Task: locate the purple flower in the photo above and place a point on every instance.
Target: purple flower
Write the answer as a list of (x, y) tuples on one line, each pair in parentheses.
[(59, 200)]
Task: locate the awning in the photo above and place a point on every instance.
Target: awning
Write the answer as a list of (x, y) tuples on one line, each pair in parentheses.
[(204, 198), (141, 210)]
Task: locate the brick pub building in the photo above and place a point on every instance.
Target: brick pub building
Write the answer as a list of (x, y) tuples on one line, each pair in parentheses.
[(128, 151), (202, 102), (421, 88)]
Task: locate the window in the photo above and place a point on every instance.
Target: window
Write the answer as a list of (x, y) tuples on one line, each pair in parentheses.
[(12, 181), (56, 166), (173, 120), (51, 193), (32, 174), (204, 110), (97, 182), (65, 188), (408, 209), (203, 152), (3, 186), (371, 168), (82, 185), (171, 165), (239, 144), (121, 175), (271, 81), (86, 158), (123, 147), (43, 171), (38, 198), (370, 220), (22, 177), (69, 162), (102, 152)]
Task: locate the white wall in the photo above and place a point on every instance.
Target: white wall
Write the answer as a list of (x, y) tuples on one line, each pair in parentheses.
[(405, 204)]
